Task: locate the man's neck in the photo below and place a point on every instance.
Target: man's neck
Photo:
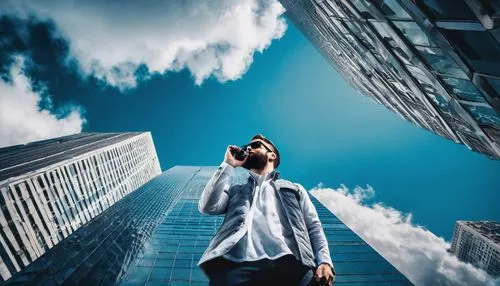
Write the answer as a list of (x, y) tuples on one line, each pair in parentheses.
[(268, 169)]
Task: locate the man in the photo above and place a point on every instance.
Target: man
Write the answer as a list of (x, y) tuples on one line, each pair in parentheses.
[(271, 234)]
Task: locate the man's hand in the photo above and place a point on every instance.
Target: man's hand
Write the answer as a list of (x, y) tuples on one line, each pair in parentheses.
[(229, 158), (324, 272)]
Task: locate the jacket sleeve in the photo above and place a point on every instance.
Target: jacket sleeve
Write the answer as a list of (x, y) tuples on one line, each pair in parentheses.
[(316, 234), (215, 197)]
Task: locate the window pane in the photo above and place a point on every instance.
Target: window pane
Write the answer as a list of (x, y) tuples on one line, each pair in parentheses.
[(391, 8), (160, 274), (371, 256), (479, 47), (429, 87), (327, 10), (419, 75), (495, 84), (181, 273), (446, 9), (360, 5), (367, 36), (441, 62), (364, 268), (388, 35), (463, 89), (338, 8), (483, 114), (414, 34)]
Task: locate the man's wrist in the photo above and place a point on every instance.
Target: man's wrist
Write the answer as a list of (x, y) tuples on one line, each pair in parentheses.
[(331, 266)]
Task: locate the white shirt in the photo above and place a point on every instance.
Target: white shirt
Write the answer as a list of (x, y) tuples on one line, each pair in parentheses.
[(267, 235)]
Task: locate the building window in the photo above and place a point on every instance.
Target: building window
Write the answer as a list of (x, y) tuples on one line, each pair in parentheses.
[(441, 62), (337, 8), (495, 84), (463, 89), (391, 38), (414, 33), (446, 9), (392, 9), (480, 49), (483, 114), (488, 9), (361, 6)]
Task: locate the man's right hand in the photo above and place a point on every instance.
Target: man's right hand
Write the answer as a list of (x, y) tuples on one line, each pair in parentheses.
[(229, 158)]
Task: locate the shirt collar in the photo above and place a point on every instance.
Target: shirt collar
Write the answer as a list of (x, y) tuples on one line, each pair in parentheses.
[(274, 175)]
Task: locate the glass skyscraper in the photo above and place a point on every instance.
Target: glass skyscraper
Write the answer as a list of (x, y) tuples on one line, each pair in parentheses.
[(436, 63), (156, 235), (50, 188), (478, 242)]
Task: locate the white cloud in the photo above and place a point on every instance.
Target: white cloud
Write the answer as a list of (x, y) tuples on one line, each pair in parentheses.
[(21, 120), (111, 39), (416, 252)]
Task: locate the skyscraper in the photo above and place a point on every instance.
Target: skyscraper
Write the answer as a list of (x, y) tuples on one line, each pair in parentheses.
[(478, 242), (436, 63), (156, 235), (50, 188)]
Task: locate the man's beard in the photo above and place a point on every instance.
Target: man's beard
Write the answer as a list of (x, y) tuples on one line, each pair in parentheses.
[(255, 161)]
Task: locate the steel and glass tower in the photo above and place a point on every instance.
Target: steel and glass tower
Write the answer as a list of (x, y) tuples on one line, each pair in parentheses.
[(156, 235), (50, 189), (478, 242), (436, 63)]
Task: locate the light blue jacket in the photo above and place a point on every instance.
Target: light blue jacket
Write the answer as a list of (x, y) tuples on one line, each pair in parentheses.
[(219, 197)]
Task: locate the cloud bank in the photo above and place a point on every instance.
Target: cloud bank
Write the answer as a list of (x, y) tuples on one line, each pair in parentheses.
[(416, 252), (111, 40), (21, 119)]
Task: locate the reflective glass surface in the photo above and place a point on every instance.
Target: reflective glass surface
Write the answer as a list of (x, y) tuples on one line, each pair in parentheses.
[(156, 235), (446, 9), (414, 33), (480, 49), (361, 30), (388, 35), (495, 84), (429, 87), (492, 8), (441, 62), (463, 89), (361, 6), (391, 8), (99, 252), (393, 39), (483, 114), (337, 8)]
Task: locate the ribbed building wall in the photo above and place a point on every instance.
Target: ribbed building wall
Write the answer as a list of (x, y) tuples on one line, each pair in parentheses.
[(42, 207), (478, 243)]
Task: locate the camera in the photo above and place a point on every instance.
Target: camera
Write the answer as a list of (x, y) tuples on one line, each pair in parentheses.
[(239, 154)]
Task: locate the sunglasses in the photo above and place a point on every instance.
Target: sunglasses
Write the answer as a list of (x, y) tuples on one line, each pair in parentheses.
[(256, 145)]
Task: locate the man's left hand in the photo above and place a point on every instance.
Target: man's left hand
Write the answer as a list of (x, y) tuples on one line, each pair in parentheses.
[(324, 271)]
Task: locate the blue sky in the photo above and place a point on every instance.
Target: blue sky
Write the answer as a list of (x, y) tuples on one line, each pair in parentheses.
[(326, 132)]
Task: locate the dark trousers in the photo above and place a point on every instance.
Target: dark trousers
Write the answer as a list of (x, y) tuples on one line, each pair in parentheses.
[(286, 270)]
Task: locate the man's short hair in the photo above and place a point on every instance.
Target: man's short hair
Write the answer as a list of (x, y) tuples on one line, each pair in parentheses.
[(261, 137)]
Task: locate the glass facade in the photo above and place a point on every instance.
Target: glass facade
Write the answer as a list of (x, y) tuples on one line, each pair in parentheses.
[(156, 236), (49, 189), (436, 63)]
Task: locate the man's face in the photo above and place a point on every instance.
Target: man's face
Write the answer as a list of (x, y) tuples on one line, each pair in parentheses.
[(258, 157)]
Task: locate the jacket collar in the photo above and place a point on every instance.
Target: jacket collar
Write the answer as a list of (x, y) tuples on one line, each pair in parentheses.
[(274, 175)]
